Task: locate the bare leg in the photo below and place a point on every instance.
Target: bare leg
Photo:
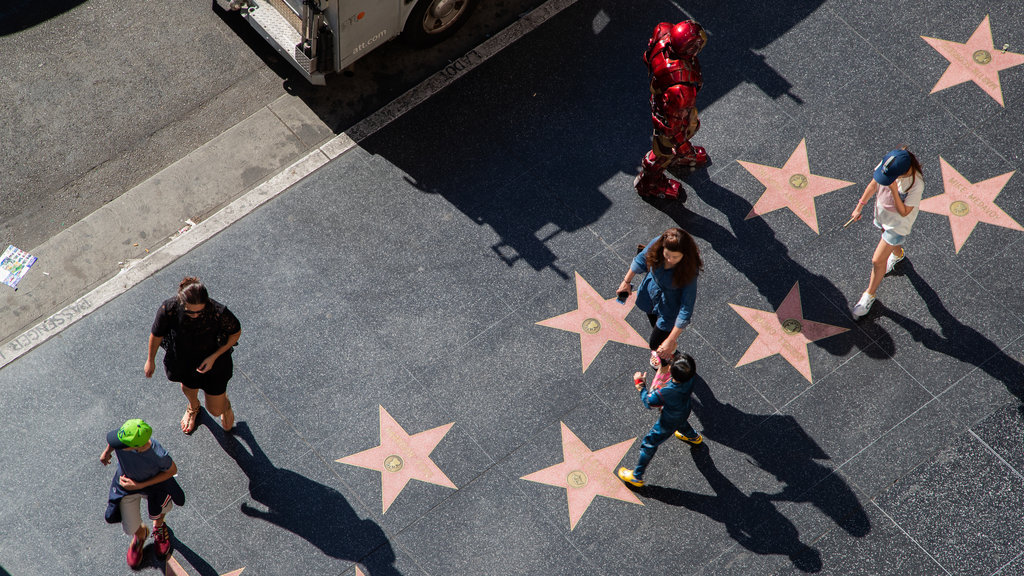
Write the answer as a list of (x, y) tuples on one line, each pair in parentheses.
[(188, 421), (878, 260), (219, 405)]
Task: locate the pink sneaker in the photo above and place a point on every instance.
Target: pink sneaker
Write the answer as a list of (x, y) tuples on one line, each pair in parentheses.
[(162, 537), (135, 550), (655, 360)]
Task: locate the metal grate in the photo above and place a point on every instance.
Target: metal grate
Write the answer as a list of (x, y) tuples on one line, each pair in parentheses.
[(286, 11)]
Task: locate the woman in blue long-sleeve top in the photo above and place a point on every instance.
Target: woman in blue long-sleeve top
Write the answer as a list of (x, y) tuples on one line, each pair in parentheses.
[(667, 294)]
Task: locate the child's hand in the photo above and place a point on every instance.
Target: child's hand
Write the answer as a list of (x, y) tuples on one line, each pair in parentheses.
[(105, 457), (639, 380), (128, 484)]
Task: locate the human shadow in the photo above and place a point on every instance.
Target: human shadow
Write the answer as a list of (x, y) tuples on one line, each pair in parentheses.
[(956, 339), (533, 156), (199, 565), (18, 15), (753, 249), (778, 445), (319, 514), (752, 521)]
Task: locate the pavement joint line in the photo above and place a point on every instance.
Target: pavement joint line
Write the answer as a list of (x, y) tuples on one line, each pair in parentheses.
[(168, 253), (909, 537), (996, 454)]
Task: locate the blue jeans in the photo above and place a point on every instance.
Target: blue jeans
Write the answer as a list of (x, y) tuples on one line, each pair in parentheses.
[(654, 438)]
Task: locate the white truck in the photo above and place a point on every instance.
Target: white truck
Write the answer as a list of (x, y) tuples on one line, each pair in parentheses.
[(319, 37)]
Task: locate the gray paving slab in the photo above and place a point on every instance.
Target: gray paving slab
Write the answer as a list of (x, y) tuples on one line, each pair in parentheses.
[(962, 508), (881, 548)]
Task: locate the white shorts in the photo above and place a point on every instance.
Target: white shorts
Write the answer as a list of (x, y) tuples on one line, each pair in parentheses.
[(131, 513)]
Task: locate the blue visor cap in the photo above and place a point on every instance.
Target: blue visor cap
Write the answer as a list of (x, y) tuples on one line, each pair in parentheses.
[(894, 165)]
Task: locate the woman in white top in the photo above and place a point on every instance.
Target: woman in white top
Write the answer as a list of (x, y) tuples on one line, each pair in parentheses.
[(900, 186)]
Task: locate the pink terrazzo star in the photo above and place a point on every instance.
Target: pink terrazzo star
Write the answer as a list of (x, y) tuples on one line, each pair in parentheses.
[(784, 332), (967, 204), (585, 474), (173, 568), (976, 60), (792, 186), (597, 321), (401, 457)]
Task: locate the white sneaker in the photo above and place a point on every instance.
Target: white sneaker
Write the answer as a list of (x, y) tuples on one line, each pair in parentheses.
[(893, 260), (863, 305)]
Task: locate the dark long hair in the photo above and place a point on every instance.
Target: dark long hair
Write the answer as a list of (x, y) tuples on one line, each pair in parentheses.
[(916, 165), (192, 291), (677, 240)]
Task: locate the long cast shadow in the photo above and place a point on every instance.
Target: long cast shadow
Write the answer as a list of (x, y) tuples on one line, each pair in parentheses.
[(779, 445), (199, 565), (752, 521), (571, 125), (752, 248), (957, 339), (318, 513)]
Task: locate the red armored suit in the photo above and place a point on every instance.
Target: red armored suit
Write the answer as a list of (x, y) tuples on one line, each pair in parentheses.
[(671, 58)]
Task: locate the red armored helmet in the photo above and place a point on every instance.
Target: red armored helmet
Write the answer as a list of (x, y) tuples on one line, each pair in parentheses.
[(688, 38)]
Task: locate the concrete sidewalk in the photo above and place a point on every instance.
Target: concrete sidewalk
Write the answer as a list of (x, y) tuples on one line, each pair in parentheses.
[(285, 139)]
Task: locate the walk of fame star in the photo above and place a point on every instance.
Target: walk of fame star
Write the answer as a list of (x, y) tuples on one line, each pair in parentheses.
[(597, 321), (976, 60), (967, 204), (585, 474), (784, 332), (401, 457), (173, 568), (792, 186)]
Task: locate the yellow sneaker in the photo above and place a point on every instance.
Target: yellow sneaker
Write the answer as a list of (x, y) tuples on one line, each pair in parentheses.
[(626, 475), (690, 439)]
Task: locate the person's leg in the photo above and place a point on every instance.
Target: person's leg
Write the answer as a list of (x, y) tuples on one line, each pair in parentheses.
[(218, 405), (878, 261), (649, 447), (131, 523), (161, 534), (131, 515), (188, 420)]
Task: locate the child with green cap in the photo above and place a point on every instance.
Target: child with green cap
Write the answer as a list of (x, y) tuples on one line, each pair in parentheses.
[(144, 470)]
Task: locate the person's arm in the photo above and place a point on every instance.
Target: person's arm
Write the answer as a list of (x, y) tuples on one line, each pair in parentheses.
[(869, 191), (651, 398), (105, 456), (638, 266), (208, 363), (129, 484), (902, 207), (154, 345)]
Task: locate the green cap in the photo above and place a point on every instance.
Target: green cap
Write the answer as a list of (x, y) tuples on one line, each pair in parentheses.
[(131, 434)]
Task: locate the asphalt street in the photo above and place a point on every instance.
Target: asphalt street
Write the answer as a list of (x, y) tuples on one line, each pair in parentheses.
[(434, 376)]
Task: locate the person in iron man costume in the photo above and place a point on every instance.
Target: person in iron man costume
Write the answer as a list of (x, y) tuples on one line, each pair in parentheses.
[(671, 59)]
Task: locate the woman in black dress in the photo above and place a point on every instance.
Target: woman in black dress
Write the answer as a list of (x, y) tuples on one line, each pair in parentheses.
[(197, 334)]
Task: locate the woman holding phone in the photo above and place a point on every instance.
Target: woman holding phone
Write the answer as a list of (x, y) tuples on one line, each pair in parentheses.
[(667, 294)]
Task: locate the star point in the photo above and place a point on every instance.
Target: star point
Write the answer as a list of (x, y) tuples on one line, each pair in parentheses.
[(597, 320), (784, 332), (173, 568), (401, 457), (586, 474), (791, 186), (976, 60), (967, 204)]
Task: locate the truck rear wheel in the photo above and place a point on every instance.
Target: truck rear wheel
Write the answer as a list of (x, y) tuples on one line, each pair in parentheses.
[(431, 21)]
